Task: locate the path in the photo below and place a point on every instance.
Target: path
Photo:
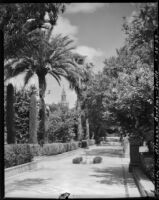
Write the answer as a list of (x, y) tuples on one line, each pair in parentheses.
[(57, 175)]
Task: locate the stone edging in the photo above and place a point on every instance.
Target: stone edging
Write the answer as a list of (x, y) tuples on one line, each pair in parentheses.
[(20, 168), (144, 184)]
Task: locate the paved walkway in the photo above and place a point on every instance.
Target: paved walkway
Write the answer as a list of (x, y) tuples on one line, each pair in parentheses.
[(58, 175)]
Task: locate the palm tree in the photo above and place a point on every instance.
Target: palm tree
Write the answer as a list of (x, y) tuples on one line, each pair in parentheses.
[(77, 79), (42, 55)]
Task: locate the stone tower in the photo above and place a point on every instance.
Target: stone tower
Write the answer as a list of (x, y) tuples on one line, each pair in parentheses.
[(64, 102)]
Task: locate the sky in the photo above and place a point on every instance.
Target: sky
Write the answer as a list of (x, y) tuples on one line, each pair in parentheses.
[(96, 29)]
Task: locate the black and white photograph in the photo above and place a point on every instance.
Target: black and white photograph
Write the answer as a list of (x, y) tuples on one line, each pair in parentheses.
[(79, 99)]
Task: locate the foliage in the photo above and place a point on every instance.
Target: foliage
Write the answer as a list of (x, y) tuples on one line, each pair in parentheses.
[(121, 97), (148, 166), (10, 120), (84, 144), (57, 148), (33, 119), (17, 154), (77, 160), (21, 105), (17, 20), (62, 126), (97, 159), (91, 142)]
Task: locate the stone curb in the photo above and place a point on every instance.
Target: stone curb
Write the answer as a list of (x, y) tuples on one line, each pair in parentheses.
[(144, 184), (20, 168)]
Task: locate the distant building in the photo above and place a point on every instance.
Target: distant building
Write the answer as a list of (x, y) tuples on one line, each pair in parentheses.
[(64, 102)]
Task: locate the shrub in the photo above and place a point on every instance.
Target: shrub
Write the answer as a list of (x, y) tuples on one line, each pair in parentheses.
[(147, 165), (35, 149), (84, 144), (97, 159), (77, 160), (57, 148), (17, 154), (91, 142)]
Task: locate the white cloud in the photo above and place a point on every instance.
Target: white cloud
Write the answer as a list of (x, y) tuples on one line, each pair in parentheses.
[(131, 17), (90, 52), (96, 56), (84, 7), (65, 27)]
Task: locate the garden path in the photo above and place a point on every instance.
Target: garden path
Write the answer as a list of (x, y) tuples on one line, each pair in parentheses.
[(58, 175)]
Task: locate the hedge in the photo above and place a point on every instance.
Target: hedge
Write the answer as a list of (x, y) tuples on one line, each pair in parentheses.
[(16, 154), (91, 142)]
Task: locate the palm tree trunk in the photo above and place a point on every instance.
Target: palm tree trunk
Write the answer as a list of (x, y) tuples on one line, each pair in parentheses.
[(42, 113)]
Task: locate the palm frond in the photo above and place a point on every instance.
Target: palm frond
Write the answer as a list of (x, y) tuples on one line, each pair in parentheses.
[(28, 76), (12, 71)]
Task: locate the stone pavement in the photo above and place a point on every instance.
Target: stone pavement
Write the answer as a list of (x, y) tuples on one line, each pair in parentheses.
[(57, 174)]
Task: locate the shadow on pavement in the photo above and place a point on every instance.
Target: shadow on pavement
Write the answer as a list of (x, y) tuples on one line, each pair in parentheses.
[(105, 152), (25, 184), (113, 175)]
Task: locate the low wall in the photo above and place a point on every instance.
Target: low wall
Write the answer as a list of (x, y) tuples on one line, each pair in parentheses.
[(20, 168)]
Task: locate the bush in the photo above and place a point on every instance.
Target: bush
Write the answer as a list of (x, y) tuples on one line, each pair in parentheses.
[(17, 154), (84, 144), (77, 160), (91, 142), (35, 149), (147, 165), (97, 160), (57, 148)]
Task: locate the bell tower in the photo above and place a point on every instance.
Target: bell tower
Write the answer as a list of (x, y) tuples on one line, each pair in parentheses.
[(64, 102)]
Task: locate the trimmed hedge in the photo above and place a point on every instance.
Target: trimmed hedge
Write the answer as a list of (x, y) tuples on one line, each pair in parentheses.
[(97, 159), (17, 154), (77, 160), (84, 143), (91, 142)]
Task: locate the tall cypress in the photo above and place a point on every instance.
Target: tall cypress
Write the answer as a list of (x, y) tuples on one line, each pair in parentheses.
[(33, 119), (10, 115)]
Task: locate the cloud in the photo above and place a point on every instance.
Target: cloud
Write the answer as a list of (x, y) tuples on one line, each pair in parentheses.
[(96, 56), (65, 27), (90, 52), (131, 17), (84, 7)]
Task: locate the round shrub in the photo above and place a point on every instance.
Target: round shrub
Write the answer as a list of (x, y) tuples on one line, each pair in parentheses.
[(84, 144), (77, 160), (97, 160)]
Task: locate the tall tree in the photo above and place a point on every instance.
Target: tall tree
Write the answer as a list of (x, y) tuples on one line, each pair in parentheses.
[(33, 119), (10, 119), (76, 78)]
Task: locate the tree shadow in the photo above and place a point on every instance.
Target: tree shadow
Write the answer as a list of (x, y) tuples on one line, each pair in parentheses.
[(105, 152), (25, 184), (114, 175)]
